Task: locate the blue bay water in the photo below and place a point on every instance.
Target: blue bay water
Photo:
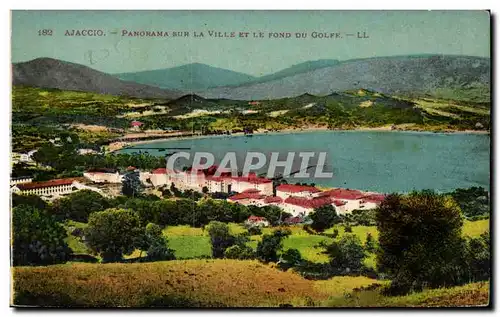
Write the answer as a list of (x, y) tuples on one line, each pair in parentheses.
[(376, 161)]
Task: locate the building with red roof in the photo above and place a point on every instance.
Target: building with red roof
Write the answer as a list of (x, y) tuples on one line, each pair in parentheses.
[(136, 125), (54, 187), (257, 221), (286, 190)]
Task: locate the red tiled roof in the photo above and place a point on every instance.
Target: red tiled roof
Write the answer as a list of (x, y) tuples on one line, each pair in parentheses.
[(159, 171), (374, 198), (252, 178), (273, 199), (340, 193), (256, 218), (136, 123), (247, 195), (308, 202), (297, 188), (339, 203), (51, 183)]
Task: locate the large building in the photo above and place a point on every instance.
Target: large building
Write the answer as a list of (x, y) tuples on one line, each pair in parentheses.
[(103, 175), (55, 187), (286, 190)]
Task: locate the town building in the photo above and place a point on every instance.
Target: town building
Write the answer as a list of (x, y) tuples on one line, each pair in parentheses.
[(249, 197), (54, 187), (103, 175), (257, 221), (136, 125), (302, 206), (286, 190), (21, 180)]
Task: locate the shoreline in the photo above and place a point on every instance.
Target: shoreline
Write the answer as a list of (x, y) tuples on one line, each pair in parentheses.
[(166, 138)]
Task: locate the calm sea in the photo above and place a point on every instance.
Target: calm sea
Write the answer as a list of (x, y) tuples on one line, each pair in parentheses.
[(377, 161)]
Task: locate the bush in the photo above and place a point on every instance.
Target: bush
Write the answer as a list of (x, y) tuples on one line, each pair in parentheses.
[(347, 228), (113, 233), (220, 238), (156, 244), (290, 258), (270, 245), (370, 244), (324, 217), (254, 230), (239, 252), (347, 255), (38, 239)]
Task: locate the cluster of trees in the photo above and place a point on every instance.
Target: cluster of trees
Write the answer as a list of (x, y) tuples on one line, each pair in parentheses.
[(474, 202), (226, 245), (115, 232), (421, 244), (38, 238)]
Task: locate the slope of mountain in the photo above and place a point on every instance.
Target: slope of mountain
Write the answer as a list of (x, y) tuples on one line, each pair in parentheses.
[(418, 75), (194, 76), (294, 70), (53, 73)]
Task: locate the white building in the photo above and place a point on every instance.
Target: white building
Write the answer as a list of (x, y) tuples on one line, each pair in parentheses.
[(103, 175), (286, 190), (21, 180), (55, 187)]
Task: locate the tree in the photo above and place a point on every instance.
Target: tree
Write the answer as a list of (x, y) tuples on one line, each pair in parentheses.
[(204, 190), (290, 258), (347, 255), (157, 244), (478, 257), (131, 184), (29, 200), (239, 252), (270, 245), (113, 233), (38, 239), (324, 217), (79, 205), (370, 243), (220, 238), (420, 241)]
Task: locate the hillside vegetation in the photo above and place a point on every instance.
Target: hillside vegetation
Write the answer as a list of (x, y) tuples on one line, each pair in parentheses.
[(212, 283)]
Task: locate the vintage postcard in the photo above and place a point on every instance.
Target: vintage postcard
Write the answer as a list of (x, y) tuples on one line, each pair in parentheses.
[(250, 159)]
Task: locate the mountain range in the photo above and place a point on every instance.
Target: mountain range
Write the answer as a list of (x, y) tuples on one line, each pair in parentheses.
[(435, 75), (53, 73), (188, 77)]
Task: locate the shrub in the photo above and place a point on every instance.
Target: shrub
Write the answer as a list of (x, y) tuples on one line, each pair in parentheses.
[(324, 217), (370, 244), (220, 238), (347, 255), (239, 252), (271, 244), (290, 258), (254, 230)]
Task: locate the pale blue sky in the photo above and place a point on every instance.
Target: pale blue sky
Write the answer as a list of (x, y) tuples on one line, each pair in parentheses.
[(391, 33)]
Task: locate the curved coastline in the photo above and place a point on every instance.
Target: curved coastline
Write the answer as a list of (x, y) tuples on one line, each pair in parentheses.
[(134, 142)]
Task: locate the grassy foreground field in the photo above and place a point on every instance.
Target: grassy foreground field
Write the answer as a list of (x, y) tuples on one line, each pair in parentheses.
[(212, 283), (189, 243)]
